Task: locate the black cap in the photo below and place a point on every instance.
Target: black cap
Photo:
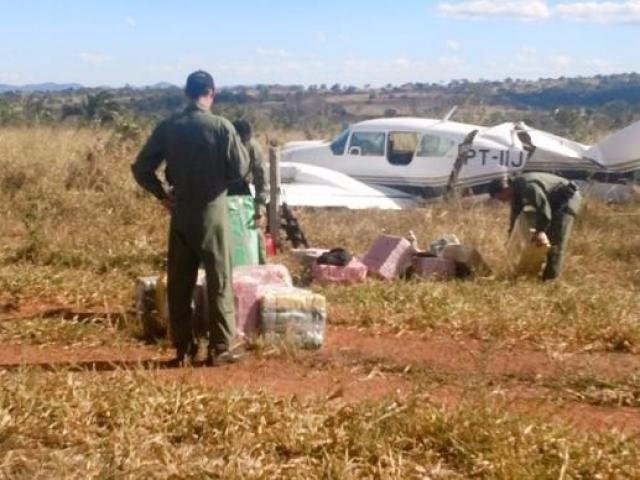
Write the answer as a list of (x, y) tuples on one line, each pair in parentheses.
[(497, 185), (198, 84)]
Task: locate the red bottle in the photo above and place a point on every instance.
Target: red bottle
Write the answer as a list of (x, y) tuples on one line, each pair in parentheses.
[(269, 245)]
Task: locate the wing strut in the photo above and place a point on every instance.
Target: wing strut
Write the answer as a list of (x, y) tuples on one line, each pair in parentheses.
[(463, 151)]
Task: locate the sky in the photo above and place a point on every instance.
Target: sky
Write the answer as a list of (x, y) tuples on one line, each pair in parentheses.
[(351, 42)]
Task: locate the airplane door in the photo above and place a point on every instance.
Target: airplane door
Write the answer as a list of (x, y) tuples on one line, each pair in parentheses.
[(365, 155)]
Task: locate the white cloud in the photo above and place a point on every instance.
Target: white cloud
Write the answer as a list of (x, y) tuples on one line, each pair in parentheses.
[(273, 52), (453, 45), (95, 59), (560, 61), (525, 10), (601, 12), (131, 21), (623, 12)]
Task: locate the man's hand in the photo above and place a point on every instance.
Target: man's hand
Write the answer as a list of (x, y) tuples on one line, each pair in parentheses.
[(260, 217), (169, 202), (541, 239)]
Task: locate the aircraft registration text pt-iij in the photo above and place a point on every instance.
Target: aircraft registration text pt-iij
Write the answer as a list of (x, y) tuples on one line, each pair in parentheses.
[(427, 156)]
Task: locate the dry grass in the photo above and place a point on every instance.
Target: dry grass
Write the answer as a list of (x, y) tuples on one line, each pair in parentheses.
[(77, 232), (127, 425)]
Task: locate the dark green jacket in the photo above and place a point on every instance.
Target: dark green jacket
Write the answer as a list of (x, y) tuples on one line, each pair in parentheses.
[(258, 175), (543, 192), (203, 154)]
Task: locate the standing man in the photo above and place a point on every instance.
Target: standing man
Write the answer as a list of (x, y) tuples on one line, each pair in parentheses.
[(203, 155), (258, 173), (555, 201)]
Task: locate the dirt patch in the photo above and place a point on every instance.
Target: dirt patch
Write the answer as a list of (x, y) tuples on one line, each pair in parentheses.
[(355, 365)]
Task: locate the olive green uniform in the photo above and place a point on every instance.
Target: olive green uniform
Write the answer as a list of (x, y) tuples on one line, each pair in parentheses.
[(203, 154), (555, 204), (258, 175)]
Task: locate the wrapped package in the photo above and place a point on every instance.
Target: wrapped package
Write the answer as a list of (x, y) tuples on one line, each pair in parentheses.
[(247, 282), (437, 246), (245, 236), (389, 256), (294, 315), (308, 256), (434, 268), (200, 306), (355, 271), (147, 312), (468, 260), (266, 274), (525, 256)]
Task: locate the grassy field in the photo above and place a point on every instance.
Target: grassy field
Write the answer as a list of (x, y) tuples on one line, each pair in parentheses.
[(76, 232)]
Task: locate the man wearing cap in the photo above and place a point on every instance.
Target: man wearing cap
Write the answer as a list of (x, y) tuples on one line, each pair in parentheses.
[(258, 173), (203, 155), (555, 201)]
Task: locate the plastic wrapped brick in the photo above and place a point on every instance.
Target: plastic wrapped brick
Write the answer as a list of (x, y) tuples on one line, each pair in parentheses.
[(265, 274), (147, 309), (389, 256), (293, 314), (435, 268), (200, 306), (525, 257), (308, 256), (355, 271), (245, 236), (468, 260), (247, 282)]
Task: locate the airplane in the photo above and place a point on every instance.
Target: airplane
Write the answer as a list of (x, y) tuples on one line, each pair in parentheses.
[(430, 157)]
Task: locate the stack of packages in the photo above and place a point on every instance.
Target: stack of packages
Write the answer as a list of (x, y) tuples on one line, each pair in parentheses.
[(248, 282), (153, 309), (293, 314), (266, 304), (447, 258)]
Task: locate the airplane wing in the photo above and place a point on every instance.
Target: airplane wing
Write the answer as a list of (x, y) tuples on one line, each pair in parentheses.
[(312, 186)]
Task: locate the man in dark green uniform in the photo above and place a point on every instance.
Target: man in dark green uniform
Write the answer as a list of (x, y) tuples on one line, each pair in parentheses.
[(203, 155), (555, 202), (258, 173)]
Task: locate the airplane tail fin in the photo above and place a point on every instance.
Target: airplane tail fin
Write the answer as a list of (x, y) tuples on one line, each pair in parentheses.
[(620, 151)]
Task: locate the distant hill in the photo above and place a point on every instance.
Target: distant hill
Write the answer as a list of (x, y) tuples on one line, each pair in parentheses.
[(40, 87)]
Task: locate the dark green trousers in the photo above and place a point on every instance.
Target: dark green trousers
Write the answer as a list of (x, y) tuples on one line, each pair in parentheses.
[(559, 233), (200, 237)]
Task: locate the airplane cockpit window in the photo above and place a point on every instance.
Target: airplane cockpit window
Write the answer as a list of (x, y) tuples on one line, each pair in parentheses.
[(402, 146), (434, 146), (367, 143), (338, 143)]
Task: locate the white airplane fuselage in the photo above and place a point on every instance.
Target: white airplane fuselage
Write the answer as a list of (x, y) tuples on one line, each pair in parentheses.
[(416, 154)]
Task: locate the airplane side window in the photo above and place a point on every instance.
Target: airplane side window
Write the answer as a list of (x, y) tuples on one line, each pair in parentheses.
[(367, 143), (338, 143), (402, 146), (434, 146)]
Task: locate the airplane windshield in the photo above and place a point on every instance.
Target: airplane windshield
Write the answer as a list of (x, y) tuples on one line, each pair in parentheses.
[(338, 143)]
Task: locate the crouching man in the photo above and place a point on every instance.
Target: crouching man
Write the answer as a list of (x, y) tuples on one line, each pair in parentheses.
[(555, 201), (203, 155)]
